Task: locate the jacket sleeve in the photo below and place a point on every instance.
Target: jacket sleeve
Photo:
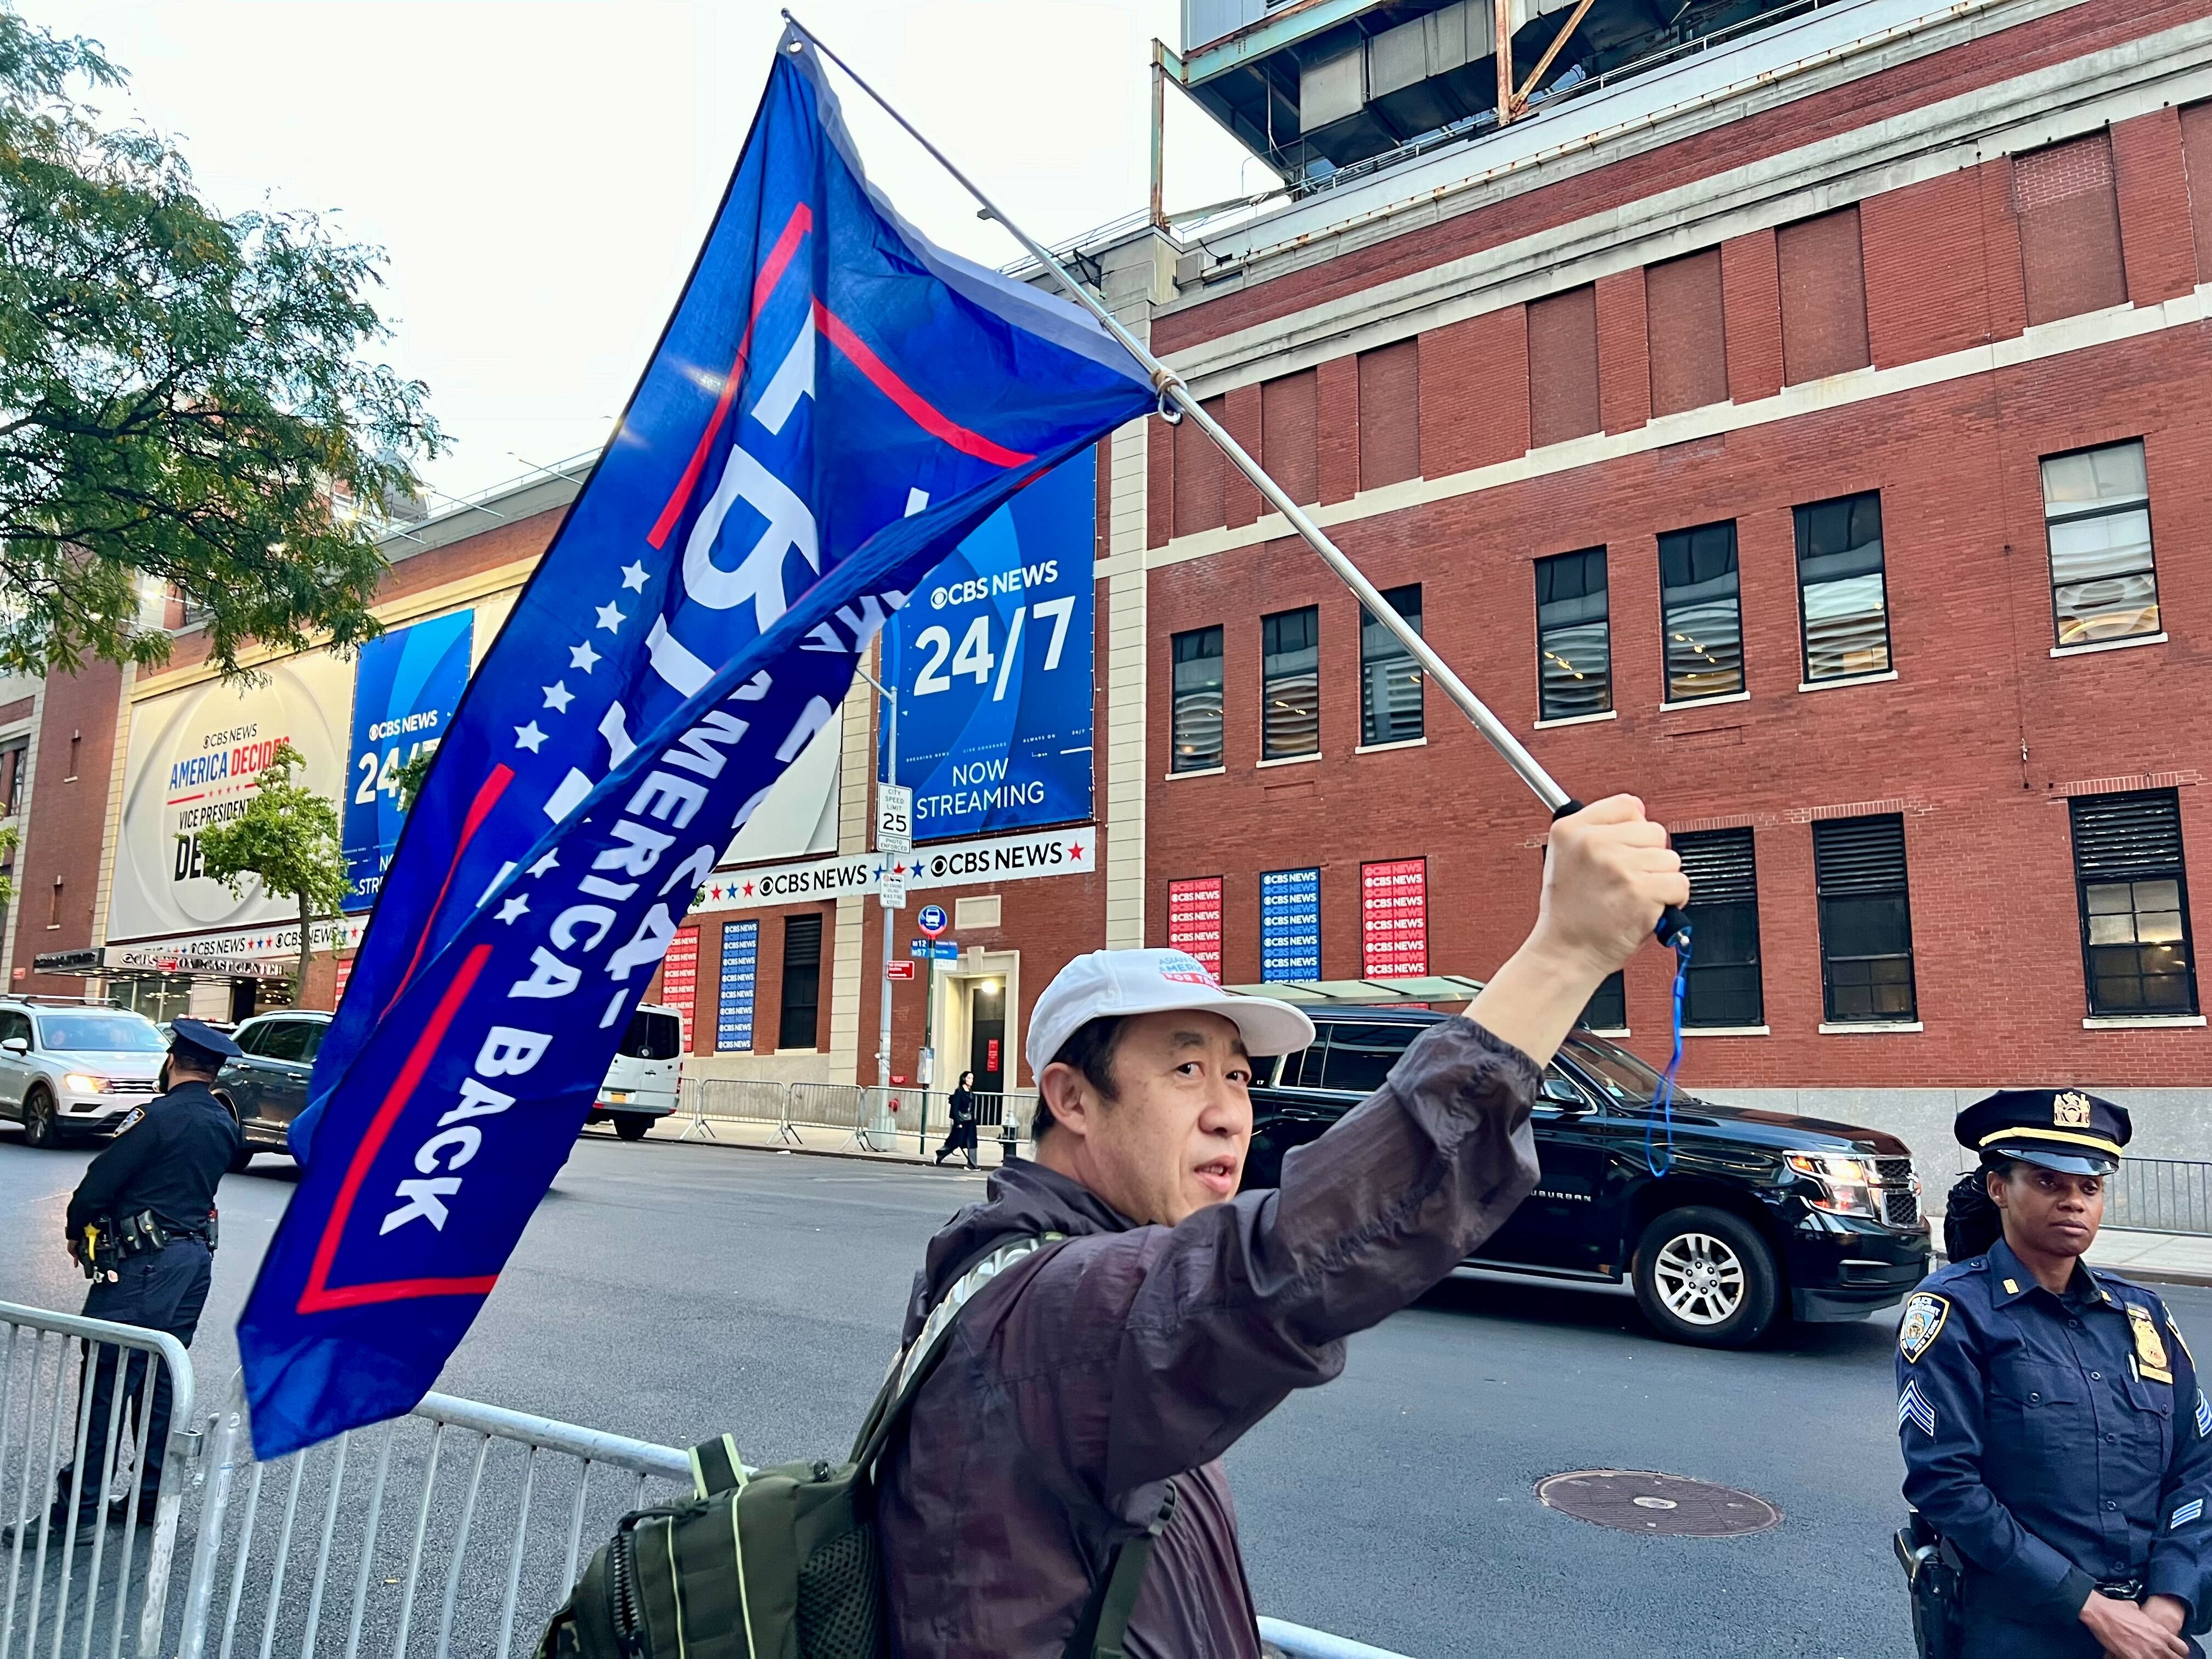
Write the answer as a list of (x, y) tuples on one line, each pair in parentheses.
[(120, 1161), (1194, 1333), (1939, 1418), (2183, 1550)]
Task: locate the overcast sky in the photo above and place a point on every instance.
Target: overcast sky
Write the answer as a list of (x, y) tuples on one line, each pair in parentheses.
[(541, 172)]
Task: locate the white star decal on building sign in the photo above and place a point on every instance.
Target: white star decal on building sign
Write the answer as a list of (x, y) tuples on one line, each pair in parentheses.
[(558, 697), (634, 578), (611, 619), (549, 862), (517, 906), (528, 736), (582, 656)]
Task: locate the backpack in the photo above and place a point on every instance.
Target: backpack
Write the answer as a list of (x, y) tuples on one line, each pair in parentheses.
[(784, 1563)]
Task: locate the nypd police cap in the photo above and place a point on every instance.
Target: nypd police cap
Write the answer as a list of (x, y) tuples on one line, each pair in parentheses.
[(2068, 1130), (200, 1045)]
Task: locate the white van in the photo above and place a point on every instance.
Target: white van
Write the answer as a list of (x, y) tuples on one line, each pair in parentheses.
[(641, 1083)]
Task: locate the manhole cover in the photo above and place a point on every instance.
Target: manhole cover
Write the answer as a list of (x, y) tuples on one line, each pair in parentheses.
[(1640, 1500)]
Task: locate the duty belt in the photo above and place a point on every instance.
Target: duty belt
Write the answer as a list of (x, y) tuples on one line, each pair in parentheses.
[(2121, 1589)]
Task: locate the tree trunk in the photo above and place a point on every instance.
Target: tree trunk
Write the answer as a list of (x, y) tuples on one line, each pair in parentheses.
[(306, 955)]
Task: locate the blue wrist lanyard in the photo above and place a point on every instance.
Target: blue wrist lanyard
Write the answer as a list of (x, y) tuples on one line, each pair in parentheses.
[(1663, 1102)]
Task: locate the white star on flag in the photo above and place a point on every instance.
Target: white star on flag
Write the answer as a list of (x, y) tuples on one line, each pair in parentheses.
[(517, 906), (558, 697), (634, 578), (549, 862), (528, 736), (582, 656), (611, 619)]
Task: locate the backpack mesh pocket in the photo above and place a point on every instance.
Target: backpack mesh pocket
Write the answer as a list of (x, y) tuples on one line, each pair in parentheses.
[(840, 1599)]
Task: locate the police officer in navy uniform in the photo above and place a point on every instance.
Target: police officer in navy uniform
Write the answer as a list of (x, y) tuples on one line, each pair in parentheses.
[(164, 1162), (2054, 1430)]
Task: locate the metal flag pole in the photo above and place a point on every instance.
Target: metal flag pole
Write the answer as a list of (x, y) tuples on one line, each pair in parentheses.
[(1172, 390)]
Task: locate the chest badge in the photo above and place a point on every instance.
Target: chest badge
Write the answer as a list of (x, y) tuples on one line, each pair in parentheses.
[(2070, 1110), (2150, 1347), (1924, 1313)]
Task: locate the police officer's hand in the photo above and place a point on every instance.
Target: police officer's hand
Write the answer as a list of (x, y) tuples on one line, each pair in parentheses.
[(2129, 1632)]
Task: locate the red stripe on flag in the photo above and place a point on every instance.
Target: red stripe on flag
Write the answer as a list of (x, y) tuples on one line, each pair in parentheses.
[(487, 794), (318, 1298), (771, 273), (923, 414)]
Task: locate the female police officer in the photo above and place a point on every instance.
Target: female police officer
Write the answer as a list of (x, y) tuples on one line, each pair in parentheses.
[(2054, 1432)]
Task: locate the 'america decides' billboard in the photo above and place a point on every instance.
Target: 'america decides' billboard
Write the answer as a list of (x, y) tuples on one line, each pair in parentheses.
[(992, 661)]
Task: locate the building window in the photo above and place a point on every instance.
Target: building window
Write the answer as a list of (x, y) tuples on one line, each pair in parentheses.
[(1841, 600), (2069, 207), (1390, 680), (54, 905), (1197, 717), (1290, 683), (1608, 1004), (1866, 921), (1724, 911), (2096, 509), (1702, 612), (2135, 903), (801, 996), (12, 757), (1574, 640)]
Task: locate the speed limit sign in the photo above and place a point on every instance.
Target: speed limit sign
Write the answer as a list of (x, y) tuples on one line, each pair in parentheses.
[(894, 819)]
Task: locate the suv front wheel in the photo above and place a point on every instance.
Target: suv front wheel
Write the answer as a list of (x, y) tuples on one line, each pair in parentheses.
[(39, 1128), (1706, 1277)]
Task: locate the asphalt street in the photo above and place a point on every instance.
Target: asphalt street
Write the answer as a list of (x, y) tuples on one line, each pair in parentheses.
[(671, 1292)]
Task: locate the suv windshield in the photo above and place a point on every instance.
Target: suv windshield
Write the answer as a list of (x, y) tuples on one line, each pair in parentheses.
[(1626, 1080), (112, 1033)]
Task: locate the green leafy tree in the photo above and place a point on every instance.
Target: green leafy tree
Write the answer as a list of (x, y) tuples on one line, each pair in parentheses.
[(408, 779), (181, 402), (288, 835)]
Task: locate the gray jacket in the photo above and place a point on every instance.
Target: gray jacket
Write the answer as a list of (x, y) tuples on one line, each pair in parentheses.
[(1082, 1380)]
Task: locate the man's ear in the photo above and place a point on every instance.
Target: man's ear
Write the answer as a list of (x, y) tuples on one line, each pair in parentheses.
[(1067, 1091)]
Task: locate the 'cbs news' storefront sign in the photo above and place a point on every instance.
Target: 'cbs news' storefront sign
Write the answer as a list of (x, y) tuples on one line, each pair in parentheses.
[(986, 862)]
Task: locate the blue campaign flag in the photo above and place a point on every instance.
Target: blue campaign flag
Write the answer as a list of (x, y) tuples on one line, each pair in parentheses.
[(405, 685), (992, 663), (835, 404)]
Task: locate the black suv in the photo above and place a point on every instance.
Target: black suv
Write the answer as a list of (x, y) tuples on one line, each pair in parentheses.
[(1735, 1219)]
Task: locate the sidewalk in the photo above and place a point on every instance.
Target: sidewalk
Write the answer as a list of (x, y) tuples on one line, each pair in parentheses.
[(2156, 1258)]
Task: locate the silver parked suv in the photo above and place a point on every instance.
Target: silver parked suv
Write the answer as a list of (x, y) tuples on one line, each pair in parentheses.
[(71, 1067)]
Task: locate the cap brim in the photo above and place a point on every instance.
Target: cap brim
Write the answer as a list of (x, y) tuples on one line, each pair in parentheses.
[(1269, 1027), (2083, 1162)]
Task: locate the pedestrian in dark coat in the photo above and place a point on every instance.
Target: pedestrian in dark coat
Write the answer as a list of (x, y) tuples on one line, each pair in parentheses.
[(1089, 1390), (962, 1106)]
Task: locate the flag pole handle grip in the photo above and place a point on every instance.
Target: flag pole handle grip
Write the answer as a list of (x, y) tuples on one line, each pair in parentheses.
[(1672, 922)]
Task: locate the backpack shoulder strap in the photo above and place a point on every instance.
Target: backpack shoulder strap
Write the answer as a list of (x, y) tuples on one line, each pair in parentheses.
[(716, 1467), (1105, 1622), (911, 1367)]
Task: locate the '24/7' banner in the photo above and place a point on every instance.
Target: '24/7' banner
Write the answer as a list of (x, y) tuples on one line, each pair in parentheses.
[(405, 685), (834, 406), (992, 663)]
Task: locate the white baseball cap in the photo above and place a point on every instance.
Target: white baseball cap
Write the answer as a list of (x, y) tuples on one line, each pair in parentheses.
[(1110, 984)]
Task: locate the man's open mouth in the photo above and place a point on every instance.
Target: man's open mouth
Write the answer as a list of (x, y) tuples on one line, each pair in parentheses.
[(1218, 1174)]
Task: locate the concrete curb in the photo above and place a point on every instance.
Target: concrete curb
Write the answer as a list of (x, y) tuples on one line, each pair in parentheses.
[(909, 1160)]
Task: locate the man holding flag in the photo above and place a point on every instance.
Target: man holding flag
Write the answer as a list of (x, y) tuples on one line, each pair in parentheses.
[(833, 404)]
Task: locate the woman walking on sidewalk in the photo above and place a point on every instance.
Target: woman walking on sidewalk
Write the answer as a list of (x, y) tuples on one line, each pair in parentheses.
[(963, 1138)]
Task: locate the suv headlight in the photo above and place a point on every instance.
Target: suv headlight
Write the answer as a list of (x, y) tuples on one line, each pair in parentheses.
[(1853, 1186), (84, 1083)]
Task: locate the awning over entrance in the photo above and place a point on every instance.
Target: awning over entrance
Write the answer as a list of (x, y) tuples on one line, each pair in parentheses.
[(128, 961), (1373, 993)]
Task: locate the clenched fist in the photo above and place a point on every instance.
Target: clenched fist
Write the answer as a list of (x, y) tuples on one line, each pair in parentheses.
[(1608, 874)]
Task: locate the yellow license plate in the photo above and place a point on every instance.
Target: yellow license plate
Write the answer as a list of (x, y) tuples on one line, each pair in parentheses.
[(618, 1095)]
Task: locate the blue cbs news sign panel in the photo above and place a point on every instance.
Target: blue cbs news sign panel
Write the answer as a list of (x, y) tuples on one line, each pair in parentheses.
[(992, 661), (405, 685)]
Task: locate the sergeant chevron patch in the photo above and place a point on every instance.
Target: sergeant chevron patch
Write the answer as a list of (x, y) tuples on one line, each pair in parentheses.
[(2186, 1513), (2203, 1415), (1912, 1407)]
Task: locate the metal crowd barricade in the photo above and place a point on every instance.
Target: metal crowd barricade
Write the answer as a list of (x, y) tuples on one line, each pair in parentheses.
[(735, 1100), (832, 1106), (1296, 1642), (59, 1597), (2160, 1196), (378, 1532)]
